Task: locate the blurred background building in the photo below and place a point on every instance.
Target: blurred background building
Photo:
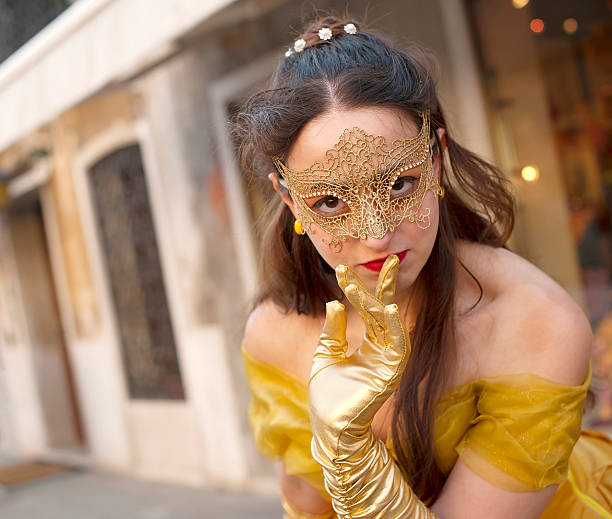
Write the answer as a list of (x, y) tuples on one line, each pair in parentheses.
[(127, 250)]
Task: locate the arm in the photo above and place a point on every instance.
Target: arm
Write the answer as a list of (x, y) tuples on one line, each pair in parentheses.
[(346, 392), (466, 495), (301, 500), (359, 474), (546, 334), (278, 410)]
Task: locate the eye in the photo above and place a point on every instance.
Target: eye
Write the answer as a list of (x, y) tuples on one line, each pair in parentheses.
[(329, 206), (404, 186)]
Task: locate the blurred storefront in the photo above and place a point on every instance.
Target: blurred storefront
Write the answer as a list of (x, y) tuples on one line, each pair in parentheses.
[(547, 70), (122, 301), (127, 248)]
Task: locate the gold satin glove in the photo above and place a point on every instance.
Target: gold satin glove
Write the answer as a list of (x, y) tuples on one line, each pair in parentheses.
[(345, 393), (292, 513)]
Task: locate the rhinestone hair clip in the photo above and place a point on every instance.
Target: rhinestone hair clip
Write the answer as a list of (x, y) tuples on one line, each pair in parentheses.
[(325, 33)]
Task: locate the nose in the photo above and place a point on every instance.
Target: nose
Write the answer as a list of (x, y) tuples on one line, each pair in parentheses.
[(378, 244)]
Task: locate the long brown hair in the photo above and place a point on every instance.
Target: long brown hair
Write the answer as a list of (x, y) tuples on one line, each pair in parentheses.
[(351, 71)]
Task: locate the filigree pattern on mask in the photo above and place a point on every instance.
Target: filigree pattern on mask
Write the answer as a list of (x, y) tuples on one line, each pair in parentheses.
[(362, 172)]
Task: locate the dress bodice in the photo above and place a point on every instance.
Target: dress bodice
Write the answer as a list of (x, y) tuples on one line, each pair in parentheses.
[(515, 431)]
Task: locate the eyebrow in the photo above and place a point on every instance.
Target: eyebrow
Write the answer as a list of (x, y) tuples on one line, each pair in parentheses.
[(324, 185), (392, 168)]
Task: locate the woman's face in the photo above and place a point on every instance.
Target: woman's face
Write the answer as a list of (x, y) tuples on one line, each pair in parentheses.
[(411, 242)]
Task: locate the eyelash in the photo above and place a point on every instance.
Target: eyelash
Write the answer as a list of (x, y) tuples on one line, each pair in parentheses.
[(319, 203), (407, 178), (327, 199)]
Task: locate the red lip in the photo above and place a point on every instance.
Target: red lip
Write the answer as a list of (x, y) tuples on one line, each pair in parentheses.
[(377, 264)]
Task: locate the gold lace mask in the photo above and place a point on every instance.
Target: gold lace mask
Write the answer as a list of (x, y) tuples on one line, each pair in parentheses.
[(365, 186)]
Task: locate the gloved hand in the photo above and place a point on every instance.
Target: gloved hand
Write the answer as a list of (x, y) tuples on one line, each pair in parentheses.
[(345, 393)]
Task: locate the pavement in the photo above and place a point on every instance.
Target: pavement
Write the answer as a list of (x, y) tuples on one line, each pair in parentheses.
[(86, 494)]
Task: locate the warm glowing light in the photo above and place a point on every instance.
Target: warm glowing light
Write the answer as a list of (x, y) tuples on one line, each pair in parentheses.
[(519, 4), (536, 25), (570, 25), (530, 173)]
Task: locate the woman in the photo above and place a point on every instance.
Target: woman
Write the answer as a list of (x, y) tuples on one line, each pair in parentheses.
[(449, 375)]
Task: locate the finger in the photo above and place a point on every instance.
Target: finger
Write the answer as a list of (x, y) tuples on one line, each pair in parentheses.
[(385, 288), (397, 341), (346, 275), (332, 342), (369, 308), (342, 276)]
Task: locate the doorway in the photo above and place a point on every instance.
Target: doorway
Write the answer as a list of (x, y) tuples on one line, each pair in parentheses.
[(51, 364)]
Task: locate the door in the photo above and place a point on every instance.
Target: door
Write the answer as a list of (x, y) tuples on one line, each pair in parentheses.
[(52, 370)]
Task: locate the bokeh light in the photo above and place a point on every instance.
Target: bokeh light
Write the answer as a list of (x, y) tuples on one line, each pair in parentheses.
[(519, 4), (536, 25), (570, 25), (530, 173)]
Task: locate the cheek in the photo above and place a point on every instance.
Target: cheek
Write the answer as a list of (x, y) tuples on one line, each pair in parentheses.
[(420, 235), (320, 240), (432, 202), (421, 241), (428, 235)]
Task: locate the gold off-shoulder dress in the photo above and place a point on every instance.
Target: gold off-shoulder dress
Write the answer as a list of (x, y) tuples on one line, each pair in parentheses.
[(519, 432)]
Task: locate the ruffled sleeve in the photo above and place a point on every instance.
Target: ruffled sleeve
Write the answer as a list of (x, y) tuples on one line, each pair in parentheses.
[(278, 415), (523, 431)]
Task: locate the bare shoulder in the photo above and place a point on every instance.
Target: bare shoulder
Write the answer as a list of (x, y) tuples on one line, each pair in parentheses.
[(536, 325), (284, 340)]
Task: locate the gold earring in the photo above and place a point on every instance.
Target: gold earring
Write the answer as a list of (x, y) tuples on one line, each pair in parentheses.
[(298, 227), (440, 191)]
